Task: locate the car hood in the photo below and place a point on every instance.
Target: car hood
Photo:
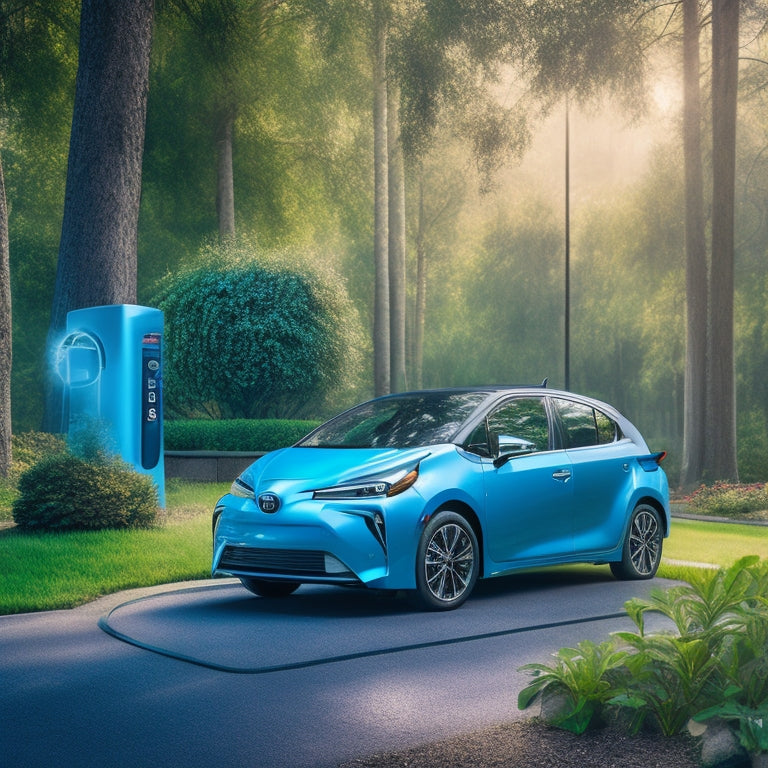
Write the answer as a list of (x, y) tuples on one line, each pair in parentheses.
[(308, 466)]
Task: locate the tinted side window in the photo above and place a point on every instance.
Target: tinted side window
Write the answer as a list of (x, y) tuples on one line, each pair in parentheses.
[(478, 441), (608, 430), (521, 425), (583, 425)]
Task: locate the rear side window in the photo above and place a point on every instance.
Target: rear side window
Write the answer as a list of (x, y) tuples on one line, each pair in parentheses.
[(584, 425), (607, 429)]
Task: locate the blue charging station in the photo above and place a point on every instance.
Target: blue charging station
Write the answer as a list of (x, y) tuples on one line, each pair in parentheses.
[(110, 361)]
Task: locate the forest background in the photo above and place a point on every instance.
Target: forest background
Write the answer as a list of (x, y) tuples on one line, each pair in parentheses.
[(288, 90)]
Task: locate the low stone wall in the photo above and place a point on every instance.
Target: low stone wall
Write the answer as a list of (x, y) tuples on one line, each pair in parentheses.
[(208, 466)]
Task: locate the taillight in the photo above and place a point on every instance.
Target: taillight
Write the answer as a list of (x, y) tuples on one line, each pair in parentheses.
[(651, 463)]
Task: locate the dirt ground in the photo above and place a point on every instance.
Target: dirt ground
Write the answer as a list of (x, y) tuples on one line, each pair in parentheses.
[(531, 744)]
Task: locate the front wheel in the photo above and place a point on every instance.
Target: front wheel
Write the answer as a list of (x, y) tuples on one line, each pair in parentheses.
[(447, 562), (267, 588), (641, 554)]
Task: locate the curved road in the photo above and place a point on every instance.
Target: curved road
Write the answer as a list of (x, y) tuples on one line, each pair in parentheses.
[(203, 674)]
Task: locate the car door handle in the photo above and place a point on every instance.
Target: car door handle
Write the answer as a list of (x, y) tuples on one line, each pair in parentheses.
[(562, 474)]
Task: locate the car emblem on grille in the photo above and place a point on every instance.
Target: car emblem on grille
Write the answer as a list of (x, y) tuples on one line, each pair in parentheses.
[(269, 503)]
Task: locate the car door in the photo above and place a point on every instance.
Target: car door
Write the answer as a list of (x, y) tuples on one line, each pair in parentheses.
[(528, 489), (601, 475)]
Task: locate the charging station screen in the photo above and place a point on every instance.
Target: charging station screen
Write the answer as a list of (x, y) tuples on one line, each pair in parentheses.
[(151, 395)]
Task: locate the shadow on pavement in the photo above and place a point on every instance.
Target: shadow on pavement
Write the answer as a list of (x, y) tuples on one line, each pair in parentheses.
[(224, 627)]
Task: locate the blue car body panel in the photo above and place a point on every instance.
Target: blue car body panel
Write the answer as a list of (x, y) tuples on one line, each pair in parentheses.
[(553, 506)]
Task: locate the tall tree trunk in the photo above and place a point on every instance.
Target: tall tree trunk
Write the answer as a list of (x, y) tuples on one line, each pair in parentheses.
[(6, 344), (381, 341), (97, 252), (720, 442), (225, 191), (694, 398), (397, 281), (421, 293)]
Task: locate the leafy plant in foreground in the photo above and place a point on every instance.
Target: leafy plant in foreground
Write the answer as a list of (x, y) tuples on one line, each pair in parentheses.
[(709, 606), (673, 678), (743, 664), (581, 676), (715, 665), (669, 678)]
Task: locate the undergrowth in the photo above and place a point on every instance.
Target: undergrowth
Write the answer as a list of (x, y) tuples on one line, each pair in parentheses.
[(732, 500)]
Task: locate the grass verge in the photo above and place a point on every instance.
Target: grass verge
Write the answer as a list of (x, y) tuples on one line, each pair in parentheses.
[(49, 571), (62, 570), (714, 543)]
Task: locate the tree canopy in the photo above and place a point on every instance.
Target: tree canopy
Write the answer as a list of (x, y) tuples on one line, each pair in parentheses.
[(477, 88)]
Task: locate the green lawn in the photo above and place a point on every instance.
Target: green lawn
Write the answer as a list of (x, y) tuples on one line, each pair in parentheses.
[(47, 571), (715, 543)]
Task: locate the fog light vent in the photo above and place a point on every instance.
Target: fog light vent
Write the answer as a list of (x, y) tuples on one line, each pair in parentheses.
[(334, 565)]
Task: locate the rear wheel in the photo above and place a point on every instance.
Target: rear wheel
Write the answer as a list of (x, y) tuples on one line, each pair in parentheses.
[(447, 562), (642, 546), (267, 588)]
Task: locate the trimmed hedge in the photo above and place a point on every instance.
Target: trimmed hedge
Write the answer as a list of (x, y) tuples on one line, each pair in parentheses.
[(234, 434)]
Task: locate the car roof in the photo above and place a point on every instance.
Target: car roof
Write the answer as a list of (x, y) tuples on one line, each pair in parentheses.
[(492, 389), (495, 391)]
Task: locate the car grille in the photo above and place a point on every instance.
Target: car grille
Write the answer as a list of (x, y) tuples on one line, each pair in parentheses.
[(283, 561)]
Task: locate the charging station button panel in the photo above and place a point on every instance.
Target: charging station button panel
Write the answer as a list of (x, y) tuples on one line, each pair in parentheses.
[(151, 400)]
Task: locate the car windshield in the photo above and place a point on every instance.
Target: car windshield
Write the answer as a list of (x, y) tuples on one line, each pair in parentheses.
[(400, 421)]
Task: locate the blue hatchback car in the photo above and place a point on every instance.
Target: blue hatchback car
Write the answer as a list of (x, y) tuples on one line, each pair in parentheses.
[(429, 491)]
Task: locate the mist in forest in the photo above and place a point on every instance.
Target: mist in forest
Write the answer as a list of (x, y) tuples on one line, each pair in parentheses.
[(491, 245)]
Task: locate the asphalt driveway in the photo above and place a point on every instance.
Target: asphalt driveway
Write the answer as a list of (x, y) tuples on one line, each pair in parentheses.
[(204, 674)]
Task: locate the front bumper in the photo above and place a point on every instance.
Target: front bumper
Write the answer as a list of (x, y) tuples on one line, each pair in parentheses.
[(306, 541)]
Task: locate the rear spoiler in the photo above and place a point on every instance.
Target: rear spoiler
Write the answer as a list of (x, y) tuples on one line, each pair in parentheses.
[(651, 462)]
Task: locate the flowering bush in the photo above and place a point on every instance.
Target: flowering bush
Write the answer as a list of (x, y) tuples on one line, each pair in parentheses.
[(728, 499)]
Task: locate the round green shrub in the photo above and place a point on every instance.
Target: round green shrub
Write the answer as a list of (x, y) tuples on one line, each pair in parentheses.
[(65, 492), (31, 447), (256, 335), (28, 448)]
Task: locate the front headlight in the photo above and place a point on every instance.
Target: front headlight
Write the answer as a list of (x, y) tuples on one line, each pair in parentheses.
[(368, 488), (241, 489)]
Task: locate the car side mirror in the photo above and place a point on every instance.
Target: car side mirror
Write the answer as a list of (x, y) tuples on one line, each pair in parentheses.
[(506, 447)]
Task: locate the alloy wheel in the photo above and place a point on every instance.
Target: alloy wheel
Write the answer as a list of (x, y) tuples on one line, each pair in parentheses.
[(450, 561), (645, 542)]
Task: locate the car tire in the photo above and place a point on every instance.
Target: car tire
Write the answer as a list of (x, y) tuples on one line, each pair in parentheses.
[(267, 588), (641, 553), (447, 562)]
